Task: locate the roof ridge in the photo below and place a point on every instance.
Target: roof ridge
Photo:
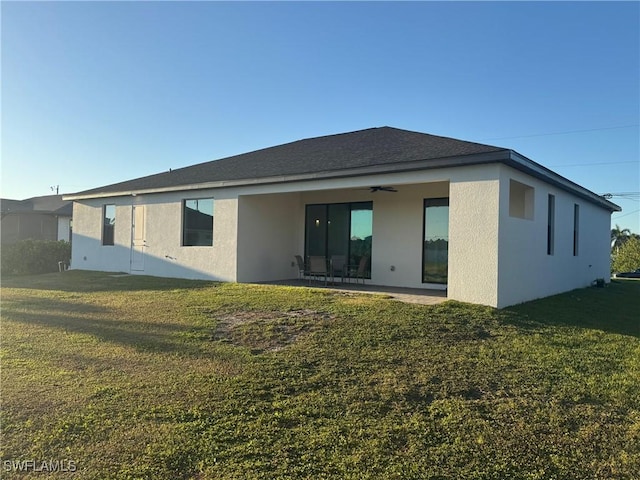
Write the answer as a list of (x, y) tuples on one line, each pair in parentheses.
[(364, 148)]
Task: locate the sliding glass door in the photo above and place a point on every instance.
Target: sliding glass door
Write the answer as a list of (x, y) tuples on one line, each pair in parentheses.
[(339, 229), (435, 256), (316, 231)]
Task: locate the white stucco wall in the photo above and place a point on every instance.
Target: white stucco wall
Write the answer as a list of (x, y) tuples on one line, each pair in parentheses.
[(494, 259), (526, 271), (64, 228), (397, 229), (398, 235), (269, 233), (87, 253), (473, 235), (164, 254)]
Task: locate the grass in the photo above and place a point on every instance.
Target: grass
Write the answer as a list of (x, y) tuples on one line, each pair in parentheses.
[(142, 378)]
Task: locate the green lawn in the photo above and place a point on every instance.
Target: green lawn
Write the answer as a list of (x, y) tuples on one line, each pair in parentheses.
[(137, 377)]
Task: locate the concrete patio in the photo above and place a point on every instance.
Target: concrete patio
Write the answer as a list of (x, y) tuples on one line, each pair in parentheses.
[(408, 295)]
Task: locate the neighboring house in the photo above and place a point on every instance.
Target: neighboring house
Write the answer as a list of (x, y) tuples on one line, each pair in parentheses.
[(37, 218), (485, 223)]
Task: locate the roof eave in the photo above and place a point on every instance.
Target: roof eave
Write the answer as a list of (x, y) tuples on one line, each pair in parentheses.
[(505, 156), (526, 165), (430, 164)]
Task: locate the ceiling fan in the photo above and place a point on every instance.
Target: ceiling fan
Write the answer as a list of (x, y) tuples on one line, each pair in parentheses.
[(380, 188)]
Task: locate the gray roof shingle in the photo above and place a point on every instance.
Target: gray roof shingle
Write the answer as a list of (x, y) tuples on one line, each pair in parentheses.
[(50, 204), (374, 150), (332, 153)]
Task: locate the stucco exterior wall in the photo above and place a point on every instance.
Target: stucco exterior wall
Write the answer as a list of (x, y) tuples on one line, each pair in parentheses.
[(64, 229), (164, 254), (269, 232), (473, 235), (495, 257), (526, 271), (396, 250), (87, 252)]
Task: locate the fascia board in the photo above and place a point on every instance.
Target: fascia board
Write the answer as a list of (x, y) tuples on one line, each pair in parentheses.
[(506, 156), (524, 164)]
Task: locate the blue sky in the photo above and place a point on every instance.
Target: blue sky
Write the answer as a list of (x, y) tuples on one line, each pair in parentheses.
[(95, 93)]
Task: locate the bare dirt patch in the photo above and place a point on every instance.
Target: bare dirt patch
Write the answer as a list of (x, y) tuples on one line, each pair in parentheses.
[(267, 331)]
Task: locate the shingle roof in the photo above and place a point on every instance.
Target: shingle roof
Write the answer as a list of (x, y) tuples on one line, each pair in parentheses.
[(8, 205), (53, 204), (332, 153), (370, 151)]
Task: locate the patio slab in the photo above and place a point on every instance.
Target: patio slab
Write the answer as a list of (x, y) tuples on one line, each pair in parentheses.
[(408, 295)]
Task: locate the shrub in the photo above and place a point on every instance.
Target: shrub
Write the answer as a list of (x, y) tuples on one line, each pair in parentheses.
[(627, 258), (34, 256)]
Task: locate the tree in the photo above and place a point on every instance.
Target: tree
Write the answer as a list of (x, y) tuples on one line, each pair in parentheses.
[(627, 258), (619, 237)]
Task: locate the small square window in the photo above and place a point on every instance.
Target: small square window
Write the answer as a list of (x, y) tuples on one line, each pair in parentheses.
[(197, 222), (520, 200)]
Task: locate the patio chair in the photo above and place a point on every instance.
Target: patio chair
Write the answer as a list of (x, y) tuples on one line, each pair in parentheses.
[(338, 267), (318, 268), (359, 271), (302, 268)]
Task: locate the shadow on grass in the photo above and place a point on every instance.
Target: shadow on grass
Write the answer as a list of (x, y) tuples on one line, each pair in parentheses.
[(69, 317), (90, 281), (613, 309)]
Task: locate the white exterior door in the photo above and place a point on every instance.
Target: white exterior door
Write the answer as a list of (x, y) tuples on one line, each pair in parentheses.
[(138, 242)]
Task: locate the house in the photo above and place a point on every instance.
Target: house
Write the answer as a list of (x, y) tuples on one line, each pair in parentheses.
[(483, 222), (37, 218)]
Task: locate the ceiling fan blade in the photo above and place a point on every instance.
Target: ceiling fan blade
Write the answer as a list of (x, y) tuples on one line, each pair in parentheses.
[(379, 188)]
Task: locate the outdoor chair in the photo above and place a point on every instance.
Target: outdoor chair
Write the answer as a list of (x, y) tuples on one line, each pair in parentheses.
[(338, 267), (359, 271), (318, 268), (302, 268)]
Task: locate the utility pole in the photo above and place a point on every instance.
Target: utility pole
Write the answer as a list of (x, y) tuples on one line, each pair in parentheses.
[(55, 188)]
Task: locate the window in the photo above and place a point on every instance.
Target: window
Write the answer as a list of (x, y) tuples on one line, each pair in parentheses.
[(344, 229), (576, 226), (108, 224), (435, 253), (197, 222), (520, 200), (551, 220)]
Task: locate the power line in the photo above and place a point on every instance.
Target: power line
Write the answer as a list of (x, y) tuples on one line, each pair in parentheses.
[(626, 214), (566, 132), (597, 163), (626, 195)]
